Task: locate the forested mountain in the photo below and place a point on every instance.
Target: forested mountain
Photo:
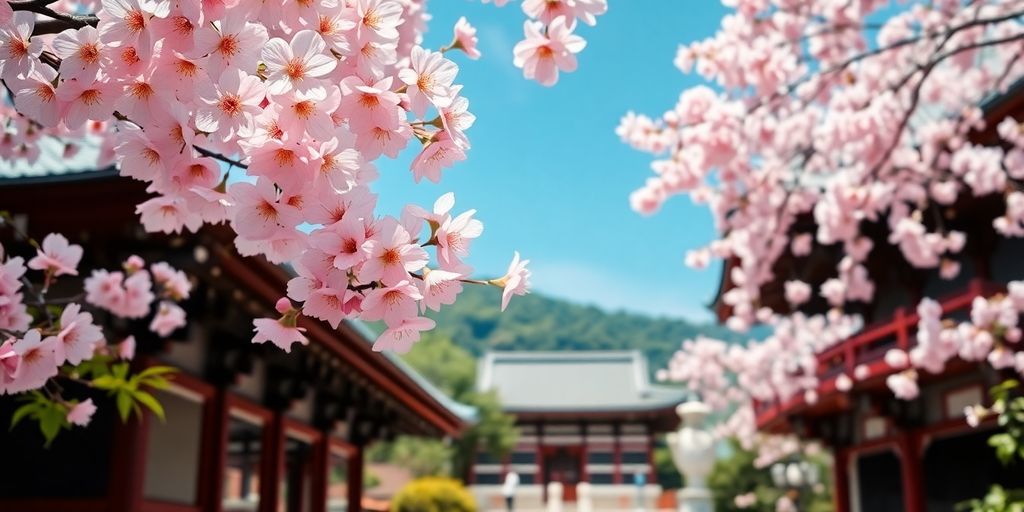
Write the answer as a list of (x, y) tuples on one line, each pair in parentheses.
[(536, 322)]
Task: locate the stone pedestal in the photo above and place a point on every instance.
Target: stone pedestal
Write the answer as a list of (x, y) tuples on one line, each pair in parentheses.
[(555, 497), (695, 500), (693, 451)]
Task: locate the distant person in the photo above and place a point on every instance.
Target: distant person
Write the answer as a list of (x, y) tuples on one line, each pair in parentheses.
[(508, 489)]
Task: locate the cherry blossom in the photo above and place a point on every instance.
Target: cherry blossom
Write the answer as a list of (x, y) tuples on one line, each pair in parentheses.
[(429, 79), (465, 38), (516, 280), (543, 55), (20, 52), (402, 337), (81, 52), (282, 332), (298, 64), (81, 413), (78, 337), (269, 118), (36, 361), (57, 256)]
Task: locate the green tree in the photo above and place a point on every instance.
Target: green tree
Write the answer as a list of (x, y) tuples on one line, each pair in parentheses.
[(1008, 405), (453, 370), (736, 474)]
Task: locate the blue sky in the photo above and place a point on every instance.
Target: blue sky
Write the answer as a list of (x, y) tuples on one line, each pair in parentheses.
[(547, 173)]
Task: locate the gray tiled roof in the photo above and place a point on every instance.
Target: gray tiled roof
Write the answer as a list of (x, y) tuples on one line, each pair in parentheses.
[(51, 161), (465, 412), (574, 381)]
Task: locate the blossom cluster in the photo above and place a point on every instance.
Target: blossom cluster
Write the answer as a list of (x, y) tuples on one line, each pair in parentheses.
[(36, 348), (268, 117), (550, 44), (818, 113), (823, 124)]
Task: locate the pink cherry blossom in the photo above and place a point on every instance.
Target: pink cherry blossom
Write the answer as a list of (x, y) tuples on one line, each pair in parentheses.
[(36, 97), (543, 55), (36, 361), (57, 256), (235, 44), (169, 317), (393, 304), (454, 236), (231, 104), (797, 292), (81, 52), (515, 282), (78, 337), (428, 79), (175, 283), (296, 65), (276, 332), (81, 413), (465, 38), (87, 99), (441, 152), (128, 22), (19, 50), (259, 213), (402, 337), (392, 255), (345, 242), (439, 287), (126, 349), (378, 20)]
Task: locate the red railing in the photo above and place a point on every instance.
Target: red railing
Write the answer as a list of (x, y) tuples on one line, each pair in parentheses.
[(868, 348)]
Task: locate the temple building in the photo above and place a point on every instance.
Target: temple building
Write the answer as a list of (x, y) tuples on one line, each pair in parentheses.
[(582, 417), (248, 427), (892, 454)]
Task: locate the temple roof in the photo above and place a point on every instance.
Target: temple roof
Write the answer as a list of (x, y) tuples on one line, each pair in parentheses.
[(583, 381), (54, 199)]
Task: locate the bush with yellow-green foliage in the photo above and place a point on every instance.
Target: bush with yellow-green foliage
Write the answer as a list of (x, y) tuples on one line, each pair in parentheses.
[(433, 494)]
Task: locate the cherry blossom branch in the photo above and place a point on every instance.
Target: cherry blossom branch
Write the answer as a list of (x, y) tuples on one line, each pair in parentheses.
[(218, 156), (59, 22)]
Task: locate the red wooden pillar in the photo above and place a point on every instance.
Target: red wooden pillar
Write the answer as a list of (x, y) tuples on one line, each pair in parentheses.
[(652, 477), (617, 453), (129, 464), (355, 479), (321, 470), (911, 466), (272, 463), (214, 454), (841, 480)]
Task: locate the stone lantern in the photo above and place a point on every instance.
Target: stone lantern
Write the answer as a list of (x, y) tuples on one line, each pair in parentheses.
[(693, 451)]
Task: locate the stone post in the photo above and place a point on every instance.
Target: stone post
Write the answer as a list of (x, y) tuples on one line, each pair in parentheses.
[(693, 451)]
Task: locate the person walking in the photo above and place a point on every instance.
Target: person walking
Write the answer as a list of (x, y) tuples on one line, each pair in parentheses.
[(508, 489)]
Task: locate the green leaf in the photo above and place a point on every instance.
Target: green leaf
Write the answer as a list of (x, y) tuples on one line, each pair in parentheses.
[(120, 370), (150, 402), (31, 408), (157, 383), (124, 404), (1003, 387), (51, 420), (107, 382), (1005, 445), (154, 371)]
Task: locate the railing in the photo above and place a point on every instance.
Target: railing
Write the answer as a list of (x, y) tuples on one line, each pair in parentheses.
[(868, 348)]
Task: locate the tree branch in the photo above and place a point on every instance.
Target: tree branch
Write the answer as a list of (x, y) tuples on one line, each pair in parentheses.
[(59, 21), (218, 156)]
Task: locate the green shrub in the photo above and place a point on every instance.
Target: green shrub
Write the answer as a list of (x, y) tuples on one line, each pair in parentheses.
[(433, 494)]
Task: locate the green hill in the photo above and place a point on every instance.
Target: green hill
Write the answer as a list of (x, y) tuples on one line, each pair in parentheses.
[(536, 322)]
